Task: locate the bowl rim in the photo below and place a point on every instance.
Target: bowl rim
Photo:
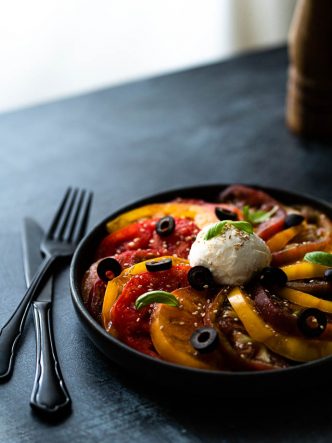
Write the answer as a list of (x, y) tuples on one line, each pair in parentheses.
[(94, 325)]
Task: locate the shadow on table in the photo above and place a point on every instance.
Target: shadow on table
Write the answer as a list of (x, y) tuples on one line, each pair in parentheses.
[(304, 416)]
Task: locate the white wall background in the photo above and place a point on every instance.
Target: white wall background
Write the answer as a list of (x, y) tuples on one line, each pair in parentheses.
[(54, 48)]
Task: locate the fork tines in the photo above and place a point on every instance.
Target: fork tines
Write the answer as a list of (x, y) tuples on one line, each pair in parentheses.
[(71, 218)]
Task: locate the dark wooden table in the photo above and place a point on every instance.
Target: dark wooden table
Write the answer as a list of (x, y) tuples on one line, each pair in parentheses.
[(219, 123)]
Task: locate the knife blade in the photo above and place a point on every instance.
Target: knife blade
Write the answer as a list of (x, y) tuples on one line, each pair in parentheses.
[(49, 393), (32, 235)]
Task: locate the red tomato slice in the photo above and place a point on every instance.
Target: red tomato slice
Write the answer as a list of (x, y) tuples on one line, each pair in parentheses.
[(93, 288), (179, 242), (267, 229), (296, 251), (240, 196), (132, 237), (130, 258), (132, 325), (142, 235)]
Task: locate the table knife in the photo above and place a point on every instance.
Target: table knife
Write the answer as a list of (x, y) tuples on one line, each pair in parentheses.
[(49, 393)]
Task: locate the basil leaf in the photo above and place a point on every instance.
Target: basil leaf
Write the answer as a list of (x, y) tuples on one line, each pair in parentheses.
[(220, 227), (156, 297), (215, 230), (255, 217), (246, 213), (319, 258)]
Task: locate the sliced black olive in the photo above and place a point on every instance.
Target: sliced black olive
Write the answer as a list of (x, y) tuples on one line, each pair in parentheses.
[(328, 274), (204, 340), (161, 265), (271, 277), (293, 220), (165, 226), (312, 322), (200, 278), (107, 265), (225, 214)]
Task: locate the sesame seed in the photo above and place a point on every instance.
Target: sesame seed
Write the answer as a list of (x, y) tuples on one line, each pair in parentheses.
[(181, 323), (138, 319), (195, 324), (161, 327)]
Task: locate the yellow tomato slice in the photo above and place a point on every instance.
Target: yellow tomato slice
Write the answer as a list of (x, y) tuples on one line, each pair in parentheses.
[(302, 270), (291, 347), (305, 299), (280, 240), (115, 286), (200, 214), (172, 327)]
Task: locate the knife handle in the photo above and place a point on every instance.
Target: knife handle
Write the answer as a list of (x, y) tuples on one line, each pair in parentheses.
[(49, 393), (12, 331)]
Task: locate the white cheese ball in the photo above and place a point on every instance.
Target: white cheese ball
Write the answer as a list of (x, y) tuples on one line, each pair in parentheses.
[(232, 257)]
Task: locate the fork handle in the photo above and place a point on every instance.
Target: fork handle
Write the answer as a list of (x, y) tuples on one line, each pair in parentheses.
[(11, 332), (49, 394)]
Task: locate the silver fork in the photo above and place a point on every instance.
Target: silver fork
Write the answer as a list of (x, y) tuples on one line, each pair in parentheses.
[(66, 230)]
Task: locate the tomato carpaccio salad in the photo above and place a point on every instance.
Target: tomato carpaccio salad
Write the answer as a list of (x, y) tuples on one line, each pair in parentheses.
[(222, 286)]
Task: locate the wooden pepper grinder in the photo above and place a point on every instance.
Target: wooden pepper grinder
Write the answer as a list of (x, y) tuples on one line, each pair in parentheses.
[(309, 98)]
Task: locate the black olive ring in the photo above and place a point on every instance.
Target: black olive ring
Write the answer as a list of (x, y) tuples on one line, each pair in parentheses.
[(161, 265), (317, 325), (200, 278), (165, 226), (106, 265), (293, 220), (328, 275), (225, 214), (271, 277), (204, 339)]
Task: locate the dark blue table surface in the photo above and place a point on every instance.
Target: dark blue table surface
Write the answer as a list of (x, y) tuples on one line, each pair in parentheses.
[(219, 123)]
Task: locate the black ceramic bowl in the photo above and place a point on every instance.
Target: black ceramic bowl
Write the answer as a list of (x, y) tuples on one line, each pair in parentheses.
[(223, 383)]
